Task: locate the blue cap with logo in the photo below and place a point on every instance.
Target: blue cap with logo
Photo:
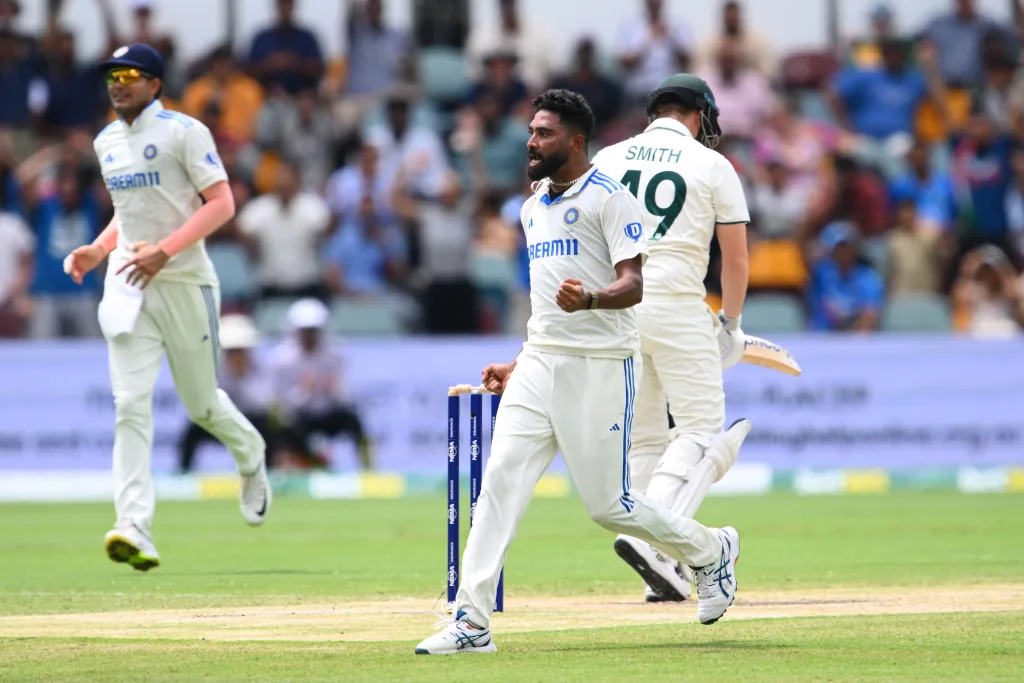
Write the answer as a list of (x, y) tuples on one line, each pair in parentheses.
[(136, 56)]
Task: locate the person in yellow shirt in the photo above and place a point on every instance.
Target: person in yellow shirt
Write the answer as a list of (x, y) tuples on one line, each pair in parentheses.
[(240, 97)]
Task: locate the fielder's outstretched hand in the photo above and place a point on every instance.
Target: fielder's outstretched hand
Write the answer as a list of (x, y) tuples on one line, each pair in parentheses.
[(149, 259)]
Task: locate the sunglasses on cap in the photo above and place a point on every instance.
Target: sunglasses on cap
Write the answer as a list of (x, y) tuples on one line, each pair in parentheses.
[(124, 76)]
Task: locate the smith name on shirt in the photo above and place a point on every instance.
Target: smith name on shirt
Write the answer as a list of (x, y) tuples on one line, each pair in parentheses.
[(641, 153), (132, 181), (566, 247)]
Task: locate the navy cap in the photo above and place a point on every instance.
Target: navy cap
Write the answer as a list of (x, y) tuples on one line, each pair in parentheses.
[(136, 56)]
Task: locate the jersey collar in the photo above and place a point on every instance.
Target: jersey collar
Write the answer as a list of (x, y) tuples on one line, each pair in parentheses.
[(145, 117), (573, 190), (669, 124)]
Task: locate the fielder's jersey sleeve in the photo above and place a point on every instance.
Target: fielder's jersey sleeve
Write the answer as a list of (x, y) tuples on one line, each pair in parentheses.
[(200, 158), (622, 223), (727, 194)]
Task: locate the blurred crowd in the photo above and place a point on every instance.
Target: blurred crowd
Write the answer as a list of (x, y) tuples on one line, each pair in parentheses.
[(885, 178)]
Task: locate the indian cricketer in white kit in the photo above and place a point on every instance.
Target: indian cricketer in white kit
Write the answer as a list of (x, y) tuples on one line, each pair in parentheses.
[(161, 294), (689, 193), (573, 385)]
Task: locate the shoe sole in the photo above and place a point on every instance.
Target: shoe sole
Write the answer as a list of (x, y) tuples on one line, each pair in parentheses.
[(665, 590), (121, 550), (489, 647), (735, 589)]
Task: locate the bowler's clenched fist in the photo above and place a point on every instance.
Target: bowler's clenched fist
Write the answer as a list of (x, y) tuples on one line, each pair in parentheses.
[(571, 296)]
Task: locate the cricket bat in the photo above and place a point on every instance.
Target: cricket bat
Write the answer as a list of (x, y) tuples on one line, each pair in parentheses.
[(762, 352)]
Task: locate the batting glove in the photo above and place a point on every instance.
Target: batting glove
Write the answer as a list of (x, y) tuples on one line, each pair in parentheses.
[(731, 340)]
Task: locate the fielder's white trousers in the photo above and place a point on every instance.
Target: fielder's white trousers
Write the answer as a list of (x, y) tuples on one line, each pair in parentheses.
[(582, 407), (182, 321), (679, 348)]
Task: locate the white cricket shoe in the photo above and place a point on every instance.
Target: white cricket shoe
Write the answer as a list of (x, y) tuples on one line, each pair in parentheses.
[(129, 544), (716, 583), (665, 581), (457, 637), (255, 496)]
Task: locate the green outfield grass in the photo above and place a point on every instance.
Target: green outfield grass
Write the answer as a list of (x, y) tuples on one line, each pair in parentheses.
[(315, 552)]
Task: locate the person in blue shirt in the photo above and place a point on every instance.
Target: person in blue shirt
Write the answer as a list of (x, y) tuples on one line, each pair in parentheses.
[(286, 55), (846, 294), (929, 188), (367, 255), (879, 103), (62, 223)]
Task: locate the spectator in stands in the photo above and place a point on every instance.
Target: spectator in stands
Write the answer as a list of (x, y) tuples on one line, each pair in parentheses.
[(930, 189), (913, 250), (499, 82), (377, 54), (62, 223), (143, 31), (1015, 202), (17, 246), (982, 172), (238, 97), (879, 103), (778, 204), (246, 382), (10, 10), (850, 193), (988, 293), (867, 54), (958, 38), (367, 255), (300, 130), (309, 385), (400, 141), (754, 49), (74, 92), (498, 140), (348, 186), (529, 41), (998, 95), (286, 56), (801, 145), (652, 49), (444, 217), (284, 230), (22, 90), (846, 294), (742, 93), (603, 94)]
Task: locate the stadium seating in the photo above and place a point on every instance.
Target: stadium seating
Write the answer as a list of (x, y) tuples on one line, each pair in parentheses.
[(234, 269), (372, 316), (917, 313), (773, 314), (270, 316), (443, 74)]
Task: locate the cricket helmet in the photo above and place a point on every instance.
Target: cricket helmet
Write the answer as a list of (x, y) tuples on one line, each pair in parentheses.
[(694, 92)]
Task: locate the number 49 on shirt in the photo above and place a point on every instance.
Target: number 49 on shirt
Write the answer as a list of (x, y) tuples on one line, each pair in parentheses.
[(668, 212)]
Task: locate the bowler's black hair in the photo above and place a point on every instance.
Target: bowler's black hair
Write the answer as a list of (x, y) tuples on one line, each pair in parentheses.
[(571, 107)]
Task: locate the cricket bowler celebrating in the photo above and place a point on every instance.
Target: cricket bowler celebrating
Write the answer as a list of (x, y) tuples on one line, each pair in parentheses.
[(689, 192), (573, 385), (161, 294)]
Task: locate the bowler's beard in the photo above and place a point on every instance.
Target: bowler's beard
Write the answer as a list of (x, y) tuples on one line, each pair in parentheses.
[(548, 165)]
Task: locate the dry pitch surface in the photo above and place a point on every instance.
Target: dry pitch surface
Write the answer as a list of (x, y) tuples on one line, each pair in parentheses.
[(408, 619)]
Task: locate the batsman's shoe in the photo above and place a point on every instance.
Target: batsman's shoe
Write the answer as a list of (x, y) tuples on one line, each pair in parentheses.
[(457, 637), (255, 496), (716, 583), (128, 544), (660, 573)]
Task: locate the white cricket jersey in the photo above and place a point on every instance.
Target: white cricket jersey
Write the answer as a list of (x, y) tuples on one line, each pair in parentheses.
[(155, 169), (582, 234), (685, 189)]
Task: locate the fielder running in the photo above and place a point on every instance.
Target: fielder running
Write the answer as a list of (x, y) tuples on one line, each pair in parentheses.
[(689, 192), (161, 294), (574, 383)]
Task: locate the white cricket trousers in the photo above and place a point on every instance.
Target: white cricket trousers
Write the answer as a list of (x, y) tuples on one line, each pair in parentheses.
[(182, 321), (679, 348), (582, 407)]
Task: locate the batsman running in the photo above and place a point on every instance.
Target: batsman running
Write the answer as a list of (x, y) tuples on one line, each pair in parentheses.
[(573, 386), (161, 294), (689, 192)]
